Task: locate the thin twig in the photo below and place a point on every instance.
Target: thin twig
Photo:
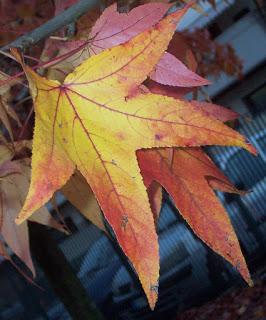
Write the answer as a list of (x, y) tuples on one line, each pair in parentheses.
[(66, 17)]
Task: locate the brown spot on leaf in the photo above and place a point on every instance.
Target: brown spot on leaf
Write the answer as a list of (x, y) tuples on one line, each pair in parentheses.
[(120, 135), (124, 221), (158, 137), (154, 287)]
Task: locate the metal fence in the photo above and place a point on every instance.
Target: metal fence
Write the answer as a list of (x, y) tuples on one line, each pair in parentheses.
[(247, 172)]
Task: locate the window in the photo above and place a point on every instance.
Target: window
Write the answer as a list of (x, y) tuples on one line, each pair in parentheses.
[(256, 101)]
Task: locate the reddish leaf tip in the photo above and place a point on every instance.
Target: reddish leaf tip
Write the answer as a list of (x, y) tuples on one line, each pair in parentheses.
[(206, 82), (252, 149), (250, 283), (153, 297), (18, 221)]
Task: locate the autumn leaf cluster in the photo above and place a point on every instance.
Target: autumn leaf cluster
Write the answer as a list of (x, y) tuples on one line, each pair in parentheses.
[(112, 128)]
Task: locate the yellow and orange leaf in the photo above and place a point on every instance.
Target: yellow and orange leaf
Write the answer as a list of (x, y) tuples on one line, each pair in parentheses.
[(189, 176), (96, 120)]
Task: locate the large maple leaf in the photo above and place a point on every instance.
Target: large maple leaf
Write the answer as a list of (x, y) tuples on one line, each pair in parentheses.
[(96, 120)]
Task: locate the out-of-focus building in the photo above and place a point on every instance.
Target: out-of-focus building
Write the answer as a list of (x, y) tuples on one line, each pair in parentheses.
[(190, 272), (243, 25)]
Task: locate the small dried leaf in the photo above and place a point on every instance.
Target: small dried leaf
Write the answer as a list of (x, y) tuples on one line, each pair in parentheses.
[(4, 118), (9, 167), (79, 193), (14, 189)]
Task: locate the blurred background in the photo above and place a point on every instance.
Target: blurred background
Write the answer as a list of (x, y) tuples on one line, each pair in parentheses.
[(192, 276)]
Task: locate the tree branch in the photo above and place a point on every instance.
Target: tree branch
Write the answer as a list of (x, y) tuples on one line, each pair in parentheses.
[(49, 27)]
